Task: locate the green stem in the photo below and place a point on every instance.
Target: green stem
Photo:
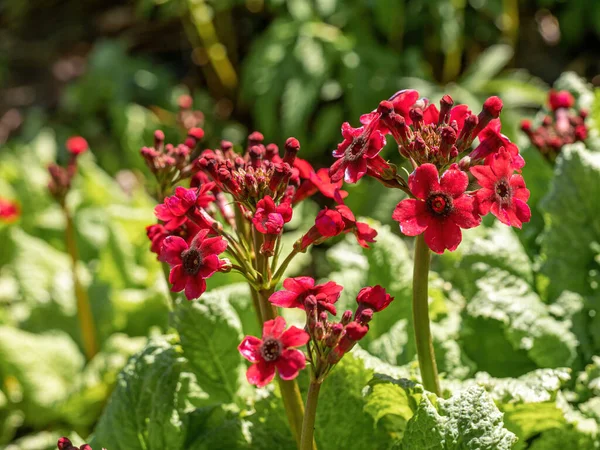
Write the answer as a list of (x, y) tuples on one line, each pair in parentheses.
[(290, 392), (423, 339), (84, 309), (310, 413)]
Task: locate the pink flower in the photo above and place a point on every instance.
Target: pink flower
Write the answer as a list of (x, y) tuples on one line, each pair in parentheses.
[(441, 207), (297, 289), (9, 211), (66, 444), (490, 141), (270, 218), (192, 264), (373, 297), (560, 99), (76, 145), (175, 208), (274, 351), (401, 102), (502, 192), (359, 145)]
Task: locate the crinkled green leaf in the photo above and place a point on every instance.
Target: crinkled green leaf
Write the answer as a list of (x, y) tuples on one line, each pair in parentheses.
[(520, 334), (37, 371), (572, 235), (340, 417), (210, 331), (468, 420), (151, 407), (392, 403)]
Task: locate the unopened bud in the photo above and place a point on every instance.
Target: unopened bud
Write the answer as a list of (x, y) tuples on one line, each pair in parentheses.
[(292, 147), (446, 104), (346, 317), (319, 331)]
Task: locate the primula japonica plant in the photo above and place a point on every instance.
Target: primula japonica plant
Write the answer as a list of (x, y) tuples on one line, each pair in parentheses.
[(237, 205), (61, 179), (452, 185), (564, 124)]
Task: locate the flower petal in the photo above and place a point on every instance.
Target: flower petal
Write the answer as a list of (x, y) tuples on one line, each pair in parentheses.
[(355, 170), (442, 234), (464, 213), (171, 249), (484, 176), (250, 348), (286, 299), (261, 373), (412, 216), (484, 198), (423, 180), (274, 328), (195, 287), (214, 245), (294, 337), (431, 114), (299, 284), (177, 278), (210, 265), (454, 182), (290, 363)]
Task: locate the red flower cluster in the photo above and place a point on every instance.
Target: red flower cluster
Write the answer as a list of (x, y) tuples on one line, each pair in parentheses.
[(438, 144), (564, 125), (9, 211), (274, 351), (61, 177), (298, 289), (65, 444)]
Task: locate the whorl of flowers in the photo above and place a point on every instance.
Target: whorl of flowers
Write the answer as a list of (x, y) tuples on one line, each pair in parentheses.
[(563, 124), (453, 182)]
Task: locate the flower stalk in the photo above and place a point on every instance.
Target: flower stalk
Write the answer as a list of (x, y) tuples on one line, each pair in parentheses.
[(84, 309), (427, 364), (310, 414)]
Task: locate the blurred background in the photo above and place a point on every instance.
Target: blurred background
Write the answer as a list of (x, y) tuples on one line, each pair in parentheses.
[(113, 72)]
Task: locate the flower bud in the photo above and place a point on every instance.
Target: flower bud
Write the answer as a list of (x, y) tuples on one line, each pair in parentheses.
[(292, 147), (346, 317)]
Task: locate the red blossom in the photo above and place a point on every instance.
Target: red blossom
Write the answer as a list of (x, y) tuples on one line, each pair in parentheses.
[(560, 99), (359, 145), (401, 103), (502, 192), (76, 145), (270, 218), (373, 297), (441, 207), (274, 351), (192, 264), (318, 181), (175, 208), (9, 211), (363, 232), (66, 444), (490, 142), (297, 289)]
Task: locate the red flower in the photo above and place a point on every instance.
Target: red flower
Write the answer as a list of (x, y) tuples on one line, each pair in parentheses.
[(192, 264), (66, 444), (274, 351), (269, 218), (319, 181), (441, 207), (490, 141), (373, 297), (402, 102), (175, 208), (359, 145), (76, 145), (157, 234), (297, 289), (502, 192), (560, 99), (9, 211), (363, 232)]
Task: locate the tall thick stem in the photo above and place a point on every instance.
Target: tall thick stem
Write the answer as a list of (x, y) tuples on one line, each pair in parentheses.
[(310, 413), (423, 339), (84, 309), (290, 392)]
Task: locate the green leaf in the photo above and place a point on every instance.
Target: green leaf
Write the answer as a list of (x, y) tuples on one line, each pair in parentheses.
[(468, 420), (151, 406), (210, 331), (392, 403), (340, 417), (572, 235), (487, 65), (521, 335), (37, 371)]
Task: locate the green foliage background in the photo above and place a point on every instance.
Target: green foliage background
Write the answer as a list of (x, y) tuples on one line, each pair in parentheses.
[(515, 314)]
